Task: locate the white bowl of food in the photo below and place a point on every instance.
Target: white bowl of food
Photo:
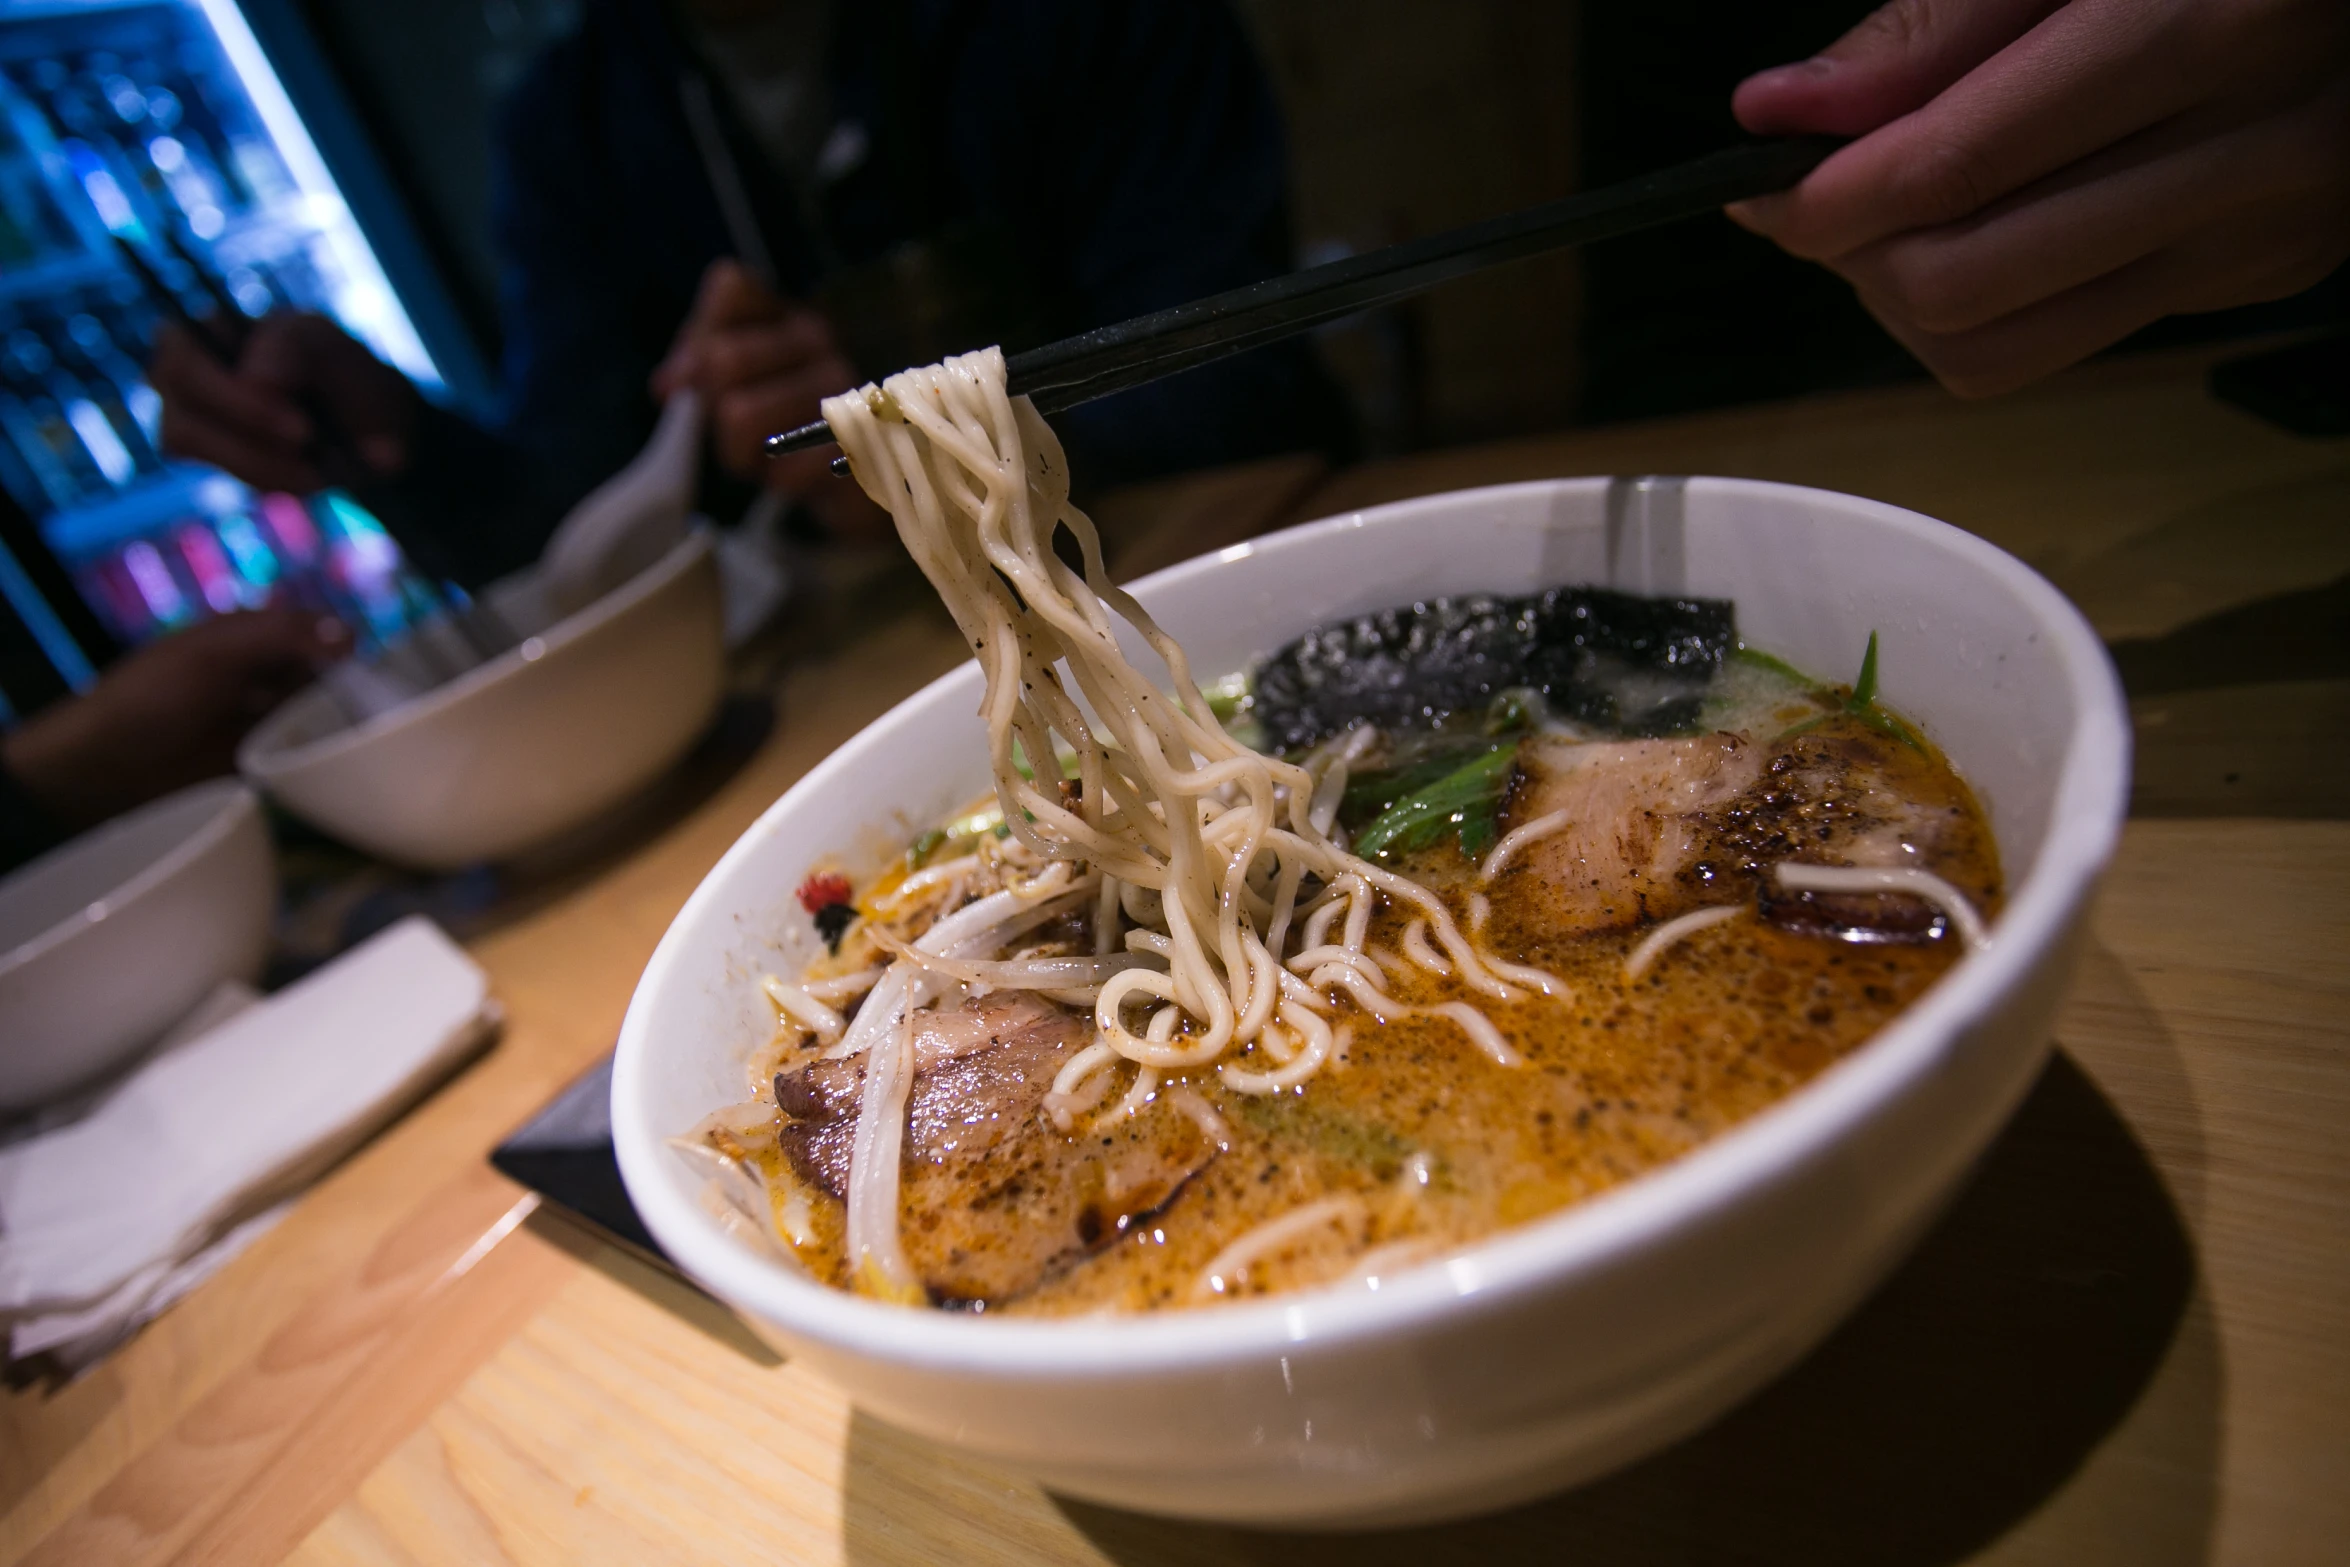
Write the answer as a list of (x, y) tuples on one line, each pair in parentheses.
[(108, 940), (1698, 1219), (584, 710)]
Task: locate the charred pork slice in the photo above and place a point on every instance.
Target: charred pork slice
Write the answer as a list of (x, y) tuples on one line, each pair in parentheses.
[(994, 1199), (1656, 828), (1636, 813), (1849, 794)]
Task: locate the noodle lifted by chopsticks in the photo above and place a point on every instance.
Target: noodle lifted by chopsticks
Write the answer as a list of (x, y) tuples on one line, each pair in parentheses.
[(1202, 842)]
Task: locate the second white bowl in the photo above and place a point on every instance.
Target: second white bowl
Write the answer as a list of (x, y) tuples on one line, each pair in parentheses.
[(109, 940), (523, 748)]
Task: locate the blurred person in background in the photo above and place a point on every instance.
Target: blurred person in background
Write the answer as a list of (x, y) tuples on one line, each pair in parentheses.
[(770, 201)]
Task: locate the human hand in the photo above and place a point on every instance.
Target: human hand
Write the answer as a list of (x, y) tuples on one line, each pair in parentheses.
[(2035, 180), (762, 364), (168, 714), (257, 418)]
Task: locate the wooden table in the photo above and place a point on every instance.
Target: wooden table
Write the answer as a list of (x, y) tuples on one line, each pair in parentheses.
[(2128, 1342)]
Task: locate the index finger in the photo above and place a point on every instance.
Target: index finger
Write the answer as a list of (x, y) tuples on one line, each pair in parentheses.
[(730, 295), (191, 381), (2087, 76)]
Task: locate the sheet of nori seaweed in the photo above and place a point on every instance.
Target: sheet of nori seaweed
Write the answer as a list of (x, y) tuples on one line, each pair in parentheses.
[(1618, 661)]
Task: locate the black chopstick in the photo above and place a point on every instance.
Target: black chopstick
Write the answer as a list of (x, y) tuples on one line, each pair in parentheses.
[(223, 341), (1125, 355), (222, 336)]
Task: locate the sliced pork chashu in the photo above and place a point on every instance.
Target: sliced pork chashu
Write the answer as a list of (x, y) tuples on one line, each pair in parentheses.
[(1656, 828), (995, 1200), (1847, 793), (1636, 816)]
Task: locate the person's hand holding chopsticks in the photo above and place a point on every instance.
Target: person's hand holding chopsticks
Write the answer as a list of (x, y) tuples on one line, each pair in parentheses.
[(2035, 181), (763, 363), (257, 416)]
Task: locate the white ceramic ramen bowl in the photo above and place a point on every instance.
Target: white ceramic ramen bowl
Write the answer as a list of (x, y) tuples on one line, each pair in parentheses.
[(1568, 1346), (520, 749), (107, 941)]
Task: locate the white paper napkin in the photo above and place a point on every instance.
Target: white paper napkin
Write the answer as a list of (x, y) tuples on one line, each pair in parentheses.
[(105, 1220)]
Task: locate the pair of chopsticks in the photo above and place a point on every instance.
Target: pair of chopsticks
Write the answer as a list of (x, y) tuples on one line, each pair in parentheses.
[(222, 336), (1183, 337)]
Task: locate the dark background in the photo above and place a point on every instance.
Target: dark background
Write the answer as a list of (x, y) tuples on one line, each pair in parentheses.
[(1405, 118)]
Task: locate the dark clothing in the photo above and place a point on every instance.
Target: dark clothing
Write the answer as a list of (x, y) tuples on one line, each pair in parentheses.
[(1032, 168)]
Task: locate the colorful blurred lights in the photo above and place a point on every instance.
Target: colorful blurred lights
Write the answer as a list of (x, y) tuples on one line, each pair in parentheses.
[(368, 551), (296, 534), (105, 446), (208, 563), (152, 578), (247, 550)]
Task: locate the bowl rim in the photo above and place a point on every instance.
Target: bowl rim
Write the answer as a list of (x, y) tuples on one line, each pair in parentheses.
[(2085, 816), (258, 757), (237, 800)]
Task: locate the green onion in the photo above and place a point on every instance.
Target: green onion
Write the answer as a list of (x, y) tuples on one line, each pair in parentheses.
[(922, 847), (1860, 702), (1228, 697), (985, 819), (988, 818), (1756, 658), (1864, 690), (1465, 801), (1370, 793), (1070, 766), (1512, 710), (1885, 723)]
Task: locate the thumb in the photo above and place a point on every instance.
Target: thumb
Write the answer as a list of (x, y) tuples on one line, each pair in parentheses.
[(1898, 59)]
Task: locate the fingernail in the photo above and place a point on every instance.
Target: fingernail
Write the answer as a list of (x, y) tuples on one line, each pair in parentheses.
[(1795, 73), (1757, 215)]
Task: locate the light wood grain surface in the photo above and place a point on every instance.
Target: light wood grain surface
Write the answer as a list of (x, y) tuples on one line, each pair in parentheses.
[(2128, 1342)]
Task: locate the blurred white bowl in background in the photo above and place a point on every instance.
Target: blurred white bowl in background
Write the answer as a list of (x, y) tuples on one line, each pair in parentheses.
[(112, 938), (523, 747)]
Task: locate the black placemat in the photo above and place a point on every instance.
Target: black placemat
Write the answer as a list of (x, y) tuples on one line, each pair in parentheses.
[(564, 1153)]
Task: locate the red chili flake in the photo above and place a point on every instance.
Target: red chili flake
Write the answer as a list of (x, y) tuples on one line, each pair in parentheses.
[(823, 890)]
